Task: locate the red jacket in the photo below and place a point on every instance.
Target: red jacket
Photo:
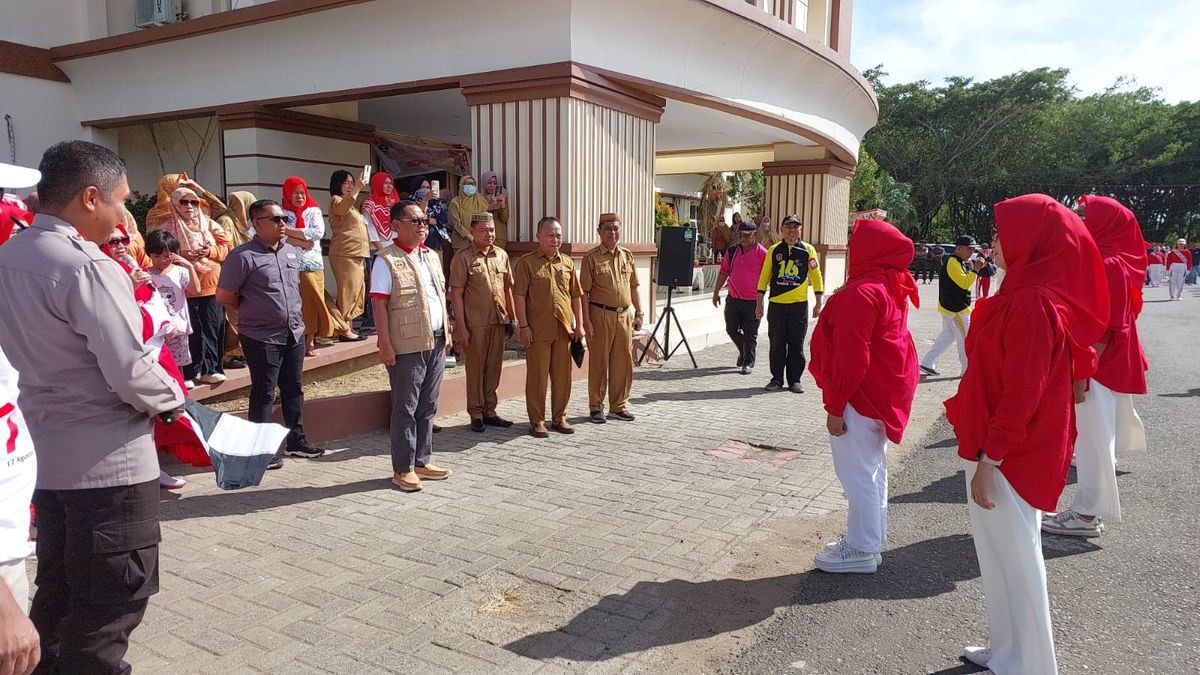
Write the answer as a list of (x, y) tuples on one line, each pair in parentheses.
[(1179, 256), (862, 352), (1026, 346)]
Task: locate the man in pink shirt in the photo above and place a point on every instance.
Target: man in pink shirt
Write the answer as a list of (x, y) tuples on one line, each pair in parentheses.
[(741, 267)]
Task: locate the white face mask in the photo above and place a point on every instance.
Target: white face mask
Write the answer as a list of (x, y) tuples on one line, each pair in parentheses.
[(469, 190)]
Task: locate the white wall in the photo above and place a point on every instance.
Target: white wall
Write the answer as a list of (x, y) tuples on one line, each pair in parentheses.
[(43, 113), (679, 184), (178, 149), (45, 23)]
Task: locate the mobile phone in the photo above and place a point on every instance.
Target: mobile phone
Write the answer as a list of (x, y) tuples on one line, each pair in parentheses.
[(366, 173), (435, 187)]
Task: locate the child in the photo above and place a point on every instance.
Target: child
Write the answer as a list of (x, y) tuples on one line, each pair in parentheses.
[(173, 275), (865, 362)]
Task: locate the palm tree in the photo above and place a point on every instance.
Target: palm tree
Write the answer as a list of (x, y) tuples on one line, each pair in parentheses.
[(714, 198)]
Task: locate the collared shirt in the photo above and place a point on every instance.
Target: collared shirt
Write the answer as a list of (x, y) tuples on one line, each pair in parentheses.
[(609, 277), (313, 228), (89, 385), (483, 277), (268, 283), (548, 284), (381, 283), (743, 269), (789, 271)]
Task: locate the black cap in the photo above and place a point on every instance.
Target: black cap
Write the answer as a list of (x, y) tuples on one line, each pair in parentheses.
[(790, 219), (747, 226), (965, 240)]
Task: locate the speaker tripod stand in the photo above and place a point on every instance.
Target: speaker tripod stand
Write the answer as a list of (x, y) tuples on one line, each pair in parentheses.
[(664, 322)]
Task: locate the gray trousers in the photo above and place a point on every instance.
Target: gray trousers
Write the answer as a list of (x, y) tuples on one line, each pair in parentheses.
[(416, 382)]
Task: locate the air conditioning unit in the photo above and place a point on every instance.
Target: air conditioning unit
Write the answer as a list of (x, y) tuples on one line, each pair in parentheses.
[(149, 13)]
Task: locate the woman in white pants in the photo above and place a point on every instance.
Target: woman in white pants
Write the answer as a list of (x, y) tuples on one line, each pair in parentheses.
[(1179, 261), (865, 362), (1121, 371), (1013, 415)]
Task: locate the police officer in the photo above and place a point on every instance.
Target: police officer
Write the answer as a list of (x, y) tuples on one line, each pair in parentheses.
[(481, 292), (547, 298), (610, 291)]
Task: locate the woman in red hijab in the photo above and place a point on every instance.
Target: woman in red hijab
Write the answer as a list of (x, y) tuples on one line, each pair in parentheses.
[(377, 208), (865, 362), (1121, 372), (1014, 415), (305, 229)]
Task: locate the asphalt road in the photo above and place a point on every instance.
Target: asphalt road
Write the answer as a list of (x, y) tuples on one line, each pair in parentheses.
[(1126, 602)]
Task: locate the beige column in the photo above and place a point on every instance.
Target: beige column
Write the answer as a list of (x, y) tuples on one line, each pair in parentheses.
[(818, 192), (573, 144)]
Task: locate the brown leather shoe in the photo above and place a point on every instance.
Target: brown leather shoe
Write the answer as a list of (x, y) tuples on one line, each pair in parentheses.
[(539, 430), (433, 472), (408, 481), (563, 427)]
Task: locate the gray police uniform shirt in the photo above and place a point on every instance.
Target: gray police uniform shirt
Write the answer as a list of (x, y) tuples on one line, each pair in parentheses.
[(89, 386)]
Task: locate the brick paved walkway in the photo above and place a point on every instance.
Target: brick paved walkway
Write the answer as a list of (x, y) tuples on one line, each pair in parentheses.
[(565, 554)]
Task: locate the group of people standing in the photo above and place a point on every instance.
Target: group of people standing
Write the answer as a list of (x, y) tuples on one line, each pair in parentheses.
[(1172, 264)]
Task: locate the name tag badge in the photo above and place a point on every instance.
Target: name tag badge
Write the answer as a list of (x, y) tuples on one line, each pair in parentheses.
[(291, 256)]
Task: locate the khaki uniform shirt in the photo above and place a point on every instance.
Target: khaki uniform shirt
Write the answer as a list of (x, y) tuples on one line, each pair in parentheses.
[(548, 285), (89, 384), (609, 279), (483, 277), (349, 229)]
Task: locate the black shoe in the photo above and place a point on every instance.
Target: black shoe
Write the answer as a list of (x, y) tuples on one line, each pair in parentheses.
[(740, 362), (306, 451), (623, 415), (276, 463), (774, 385), (496, 421), (796, 388), (366, 330), (597, 416), (236, 363), (477, 425), (437, 429)]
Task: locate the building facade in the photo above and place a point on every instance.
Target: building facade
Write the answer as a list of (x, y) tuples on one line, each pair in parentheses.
[(578, 105)]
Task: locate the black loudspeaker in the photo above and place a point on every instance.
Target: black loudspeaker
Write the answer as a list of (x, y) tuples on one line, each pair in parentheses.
[(676, 255)]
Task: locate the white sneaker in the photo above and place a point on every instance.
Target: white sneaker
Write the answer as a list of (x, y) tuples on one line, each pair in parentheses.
[(834, 544), (1072, 524), (212, 378), (190, 384), (978, 655), (842, 558)]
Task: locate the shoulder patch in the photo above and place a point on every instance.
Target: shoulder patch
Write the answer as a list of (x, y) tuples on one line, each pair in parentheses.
[(812, 263)]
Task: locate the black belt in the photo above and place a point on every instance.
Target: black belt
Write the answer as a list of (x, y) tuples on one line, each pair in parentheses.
[(618, 310)]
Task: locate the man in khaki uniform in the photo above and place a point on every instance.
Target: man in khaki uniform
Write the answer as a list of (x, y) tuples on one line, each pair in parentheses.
[(481, 293), (547, 298), (614, 310)]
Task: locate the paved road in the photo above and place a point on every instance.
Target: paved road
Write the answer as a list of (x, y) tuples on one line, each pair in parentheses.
[(1127, 602)]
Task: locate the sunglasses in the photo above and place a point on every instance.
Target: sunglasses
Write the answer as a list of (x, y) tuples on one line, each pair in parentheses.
[(189, 202), (278, 220), (414, 221), (123, 241)]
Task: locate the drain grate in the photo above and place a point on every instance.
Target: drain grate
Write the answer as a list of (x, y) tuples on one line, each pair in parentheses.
[(754, 453)]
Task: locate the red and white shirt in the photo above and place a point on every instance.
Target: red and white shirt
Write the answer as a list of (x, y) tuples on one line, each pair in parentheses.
[(18, 470), (1179, 256)]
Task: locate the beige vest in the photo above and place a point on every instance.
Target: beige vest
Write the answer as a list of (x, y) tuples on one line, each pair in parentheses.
[(408, 310)]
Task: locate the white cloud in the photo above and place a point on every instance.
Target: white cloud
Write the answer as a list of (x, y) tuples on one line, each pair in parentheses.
[(1099, 41)]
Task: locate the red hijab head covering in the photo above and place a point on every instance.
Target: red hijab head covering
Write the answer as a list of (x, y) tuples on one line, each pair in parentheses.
[(377, 195), (289, 188), (879, 251), (1047, 249), (1118, 236)]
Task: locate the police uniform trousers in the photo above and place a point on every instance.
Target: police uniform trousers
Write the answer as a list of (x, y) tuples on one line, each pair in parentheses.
[(233, 344), (1008, 543), (1096, 454), (860, 462), (548, 359), (610, 364), (954, 331), (484, 357)]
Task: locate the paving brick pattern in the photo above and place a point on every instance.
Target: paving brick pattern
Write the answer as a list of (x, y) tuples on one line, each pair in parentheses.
[(536, 556)]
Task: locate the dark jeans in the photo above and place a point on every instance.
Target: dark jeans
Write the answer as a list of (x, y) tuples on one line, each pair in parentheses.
[(742, 327), (787, 325), (97, 553), (367, 320), (207, 341), (416, 381), (271, 365)]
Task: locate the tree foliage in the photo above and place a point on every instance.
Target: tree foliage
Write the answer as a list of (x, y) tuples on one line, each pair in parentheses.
[(965, 145), (747, 188), (714, 198)]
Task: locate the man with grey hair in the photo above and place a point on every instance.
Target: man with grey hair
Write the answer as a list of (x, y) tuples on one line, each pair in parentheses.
[(89, 390)]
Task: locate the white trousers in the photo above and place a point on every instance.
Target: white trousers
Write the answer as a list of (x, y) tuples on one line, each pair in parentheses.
[(1131, 433), (860, 461), (1096, 455), (1156, 270), (1008, 543), (1177, 273), (13, 573), (954, 331)]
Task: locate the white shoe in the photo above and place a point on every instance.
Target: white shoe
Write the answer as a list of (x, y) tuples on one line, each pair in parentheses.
[(842, 558), (1072, 524), (834, 544), (190, 384), (978, 655), (212, 378)]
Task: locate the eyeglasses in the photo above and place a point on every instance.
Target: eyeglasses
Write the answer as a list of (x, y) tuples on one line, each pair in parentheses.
[(189, 202), (414, 221), (278, 220), (123, 241)]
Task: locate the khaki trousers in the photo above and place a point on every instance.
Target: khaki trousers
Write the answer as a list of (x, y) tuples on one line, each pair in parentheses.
[(610, 365), (319, 319), (351, 291), (548, 359), (484, 355), (233, 345)]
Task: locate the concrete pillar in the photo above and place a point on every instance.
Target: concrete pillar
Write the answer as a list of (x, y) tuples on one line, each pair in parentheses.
[(567, 142), (818, 192)]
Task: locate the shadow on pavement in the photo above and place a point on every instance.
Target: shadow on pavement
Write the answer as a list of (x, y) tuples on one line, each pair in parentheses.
[(951, 442), (711, 394), (948, 490), (1183, 394), (663, 374), (243, 502)]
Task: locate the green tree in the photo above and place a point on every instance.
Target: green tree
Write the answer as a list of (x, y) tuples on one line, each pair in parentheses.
[(748, 187)]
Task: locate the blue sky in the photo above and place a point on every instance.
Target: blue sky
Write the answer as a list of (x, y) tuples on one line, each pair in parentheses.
[(1152, 41)]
